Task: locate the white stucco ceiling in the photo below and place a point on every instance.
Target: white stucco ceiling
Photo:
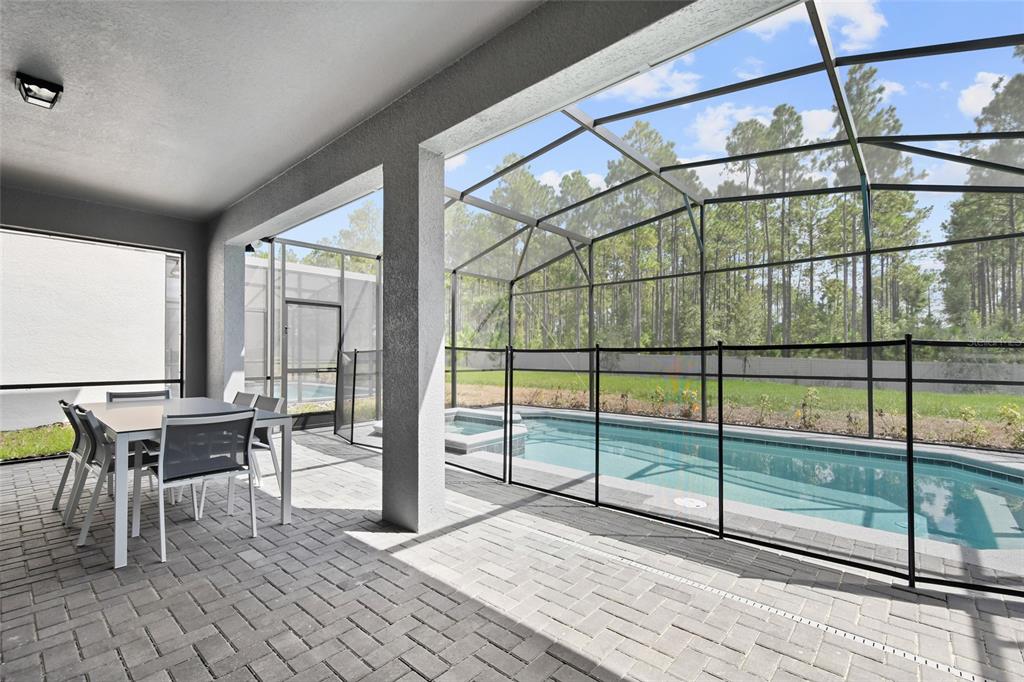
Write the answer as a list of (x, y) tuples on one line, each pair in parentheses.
[(183, 107)]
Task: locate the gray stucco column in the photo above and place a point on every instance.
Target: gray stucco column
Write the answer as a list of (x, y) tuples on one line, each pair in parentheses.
[(226, 319), (413, 363)]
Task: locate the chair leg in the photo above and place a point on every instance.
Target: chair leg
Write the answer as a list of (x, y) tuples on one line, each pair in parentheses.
[(273, 460), (163, 534), (136, 501), (76, 492), (195, 501), (252, 501), (202, 499), (231, 496), (97, 491), (63, 480), (254, 466), (110, 484)]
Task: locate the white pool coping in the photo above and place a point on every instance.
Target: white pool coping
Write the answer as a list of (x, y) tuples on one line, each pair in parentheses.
[(466, 443)]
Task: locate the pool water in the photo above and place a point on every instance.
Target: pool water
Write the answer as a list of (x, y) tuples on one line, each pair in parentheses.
[(952, 505), (471, 427)]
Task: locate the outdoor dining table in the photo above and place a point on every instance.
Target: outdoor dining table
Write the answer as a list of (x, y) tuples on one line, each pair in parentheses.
[(132, 422)]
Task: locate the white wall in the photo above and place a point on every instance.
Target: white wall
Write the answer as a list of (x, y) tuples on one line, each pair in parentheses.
[(74, 311)]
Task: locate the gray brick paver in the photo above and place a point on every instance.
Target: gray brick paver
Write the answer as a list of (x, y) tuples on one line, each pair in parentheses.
[(490, 599)]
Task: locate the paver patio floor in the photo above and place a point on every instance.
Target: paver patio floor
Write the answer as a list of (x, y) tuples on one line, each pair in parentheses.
[(515, 585)]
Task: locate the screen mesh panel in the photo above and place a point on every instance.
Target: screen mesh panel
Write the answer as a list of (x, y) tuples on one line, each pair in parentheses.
[(551, 395)]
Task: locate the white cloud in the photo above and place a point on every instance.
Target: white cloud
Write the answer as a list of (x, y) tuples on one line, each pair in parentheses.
[(661, 82), (712, 126), (752, 67), (817, 123), (457, 161), (858, 22), (710, 176), (890, 88), (947, 173), (688, 58), (975, 97), (596, 181), (766, 29), (553, 179)]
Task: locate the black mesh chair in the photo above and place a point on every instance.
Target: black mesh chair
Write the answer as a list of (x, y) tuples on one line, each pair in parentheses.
[(74, 454), (100, 461), (133, 396), (263, 440), (198, 449), (245, 399)]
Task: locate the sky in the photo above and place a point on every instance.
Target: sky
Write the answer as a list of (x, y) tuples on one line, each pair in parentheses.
[(931, 94)]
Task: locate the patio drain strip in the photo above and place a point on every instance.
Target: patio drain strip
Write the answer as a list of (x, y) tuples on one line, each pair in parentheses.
[(845, 634)]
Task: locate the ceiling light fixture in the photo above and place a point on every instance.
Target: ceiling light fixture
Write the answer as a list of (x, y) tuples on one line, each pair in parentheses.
[(38, 91)]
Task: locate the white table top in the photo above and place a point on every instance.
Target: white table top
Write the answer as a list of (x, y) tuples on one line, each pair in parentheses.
[(147, 415)]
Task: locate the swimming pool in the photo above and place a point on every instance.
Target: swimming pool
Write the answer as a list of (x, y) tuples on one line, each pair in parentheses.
[(471, 427), (953, 504)]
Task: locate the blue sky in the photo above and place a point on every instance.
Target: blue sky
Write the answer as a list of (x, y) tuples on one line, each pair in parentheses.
[(933, 94)]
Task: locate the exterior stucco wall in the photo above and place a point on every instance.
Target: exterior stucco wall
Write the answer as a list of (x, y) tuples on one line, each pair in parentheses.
[(72, 217)]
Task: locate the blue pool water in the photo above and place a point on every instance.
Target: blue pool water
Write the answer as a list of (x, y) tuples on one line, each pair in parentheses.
[(859, 488), (471, 427)]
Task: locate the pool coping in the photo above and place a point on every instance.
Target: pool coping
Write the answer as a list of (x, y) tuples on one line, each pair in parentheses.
[(470, 443)]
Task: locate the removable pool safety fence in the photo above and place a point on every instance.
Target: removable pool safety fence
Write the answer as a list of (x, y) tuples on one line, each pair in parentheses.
[(357, 397), (888, 364)]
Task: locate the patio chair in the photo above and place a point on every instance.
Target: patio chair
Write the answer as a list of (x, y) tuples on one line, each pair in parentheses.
[(198, 449), (249, 400), (263, 440), (137, 396), (100, 460), (131, 396), (78, 449), (245, 399)]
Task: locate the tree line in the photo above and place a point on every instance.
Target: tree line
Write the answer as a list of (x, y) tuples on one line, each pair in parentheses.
[(969, 290)]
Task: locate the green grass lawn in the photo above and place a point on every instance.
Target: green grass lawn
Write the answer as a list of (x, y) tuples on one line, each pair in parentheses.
[(42, 440), (747, 392)]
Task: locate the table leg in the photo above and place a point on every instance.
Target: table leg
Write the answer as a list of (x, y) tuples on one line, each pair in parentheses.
[(286, 472), (137, 489), (121, 501)]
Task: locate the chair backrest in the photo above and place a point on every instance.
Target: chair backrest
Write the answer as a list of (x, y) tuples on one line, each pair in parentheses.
[(129, 396), (245, 399), (99, 445), (196, 445), (266, 402), (76, 427)]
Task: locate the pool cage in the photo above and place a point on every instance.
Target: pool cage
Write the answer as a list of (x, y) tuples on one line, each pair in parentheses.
[(801, 294), (313, 315)]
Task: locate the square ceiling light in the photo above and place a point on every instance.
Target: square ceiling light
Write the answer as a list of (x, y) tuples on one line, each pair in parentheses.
[(37, 91)]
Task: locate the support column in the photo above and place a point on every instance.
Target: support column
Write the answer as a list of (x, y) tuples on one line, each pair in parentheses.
[(413, 365), (226, 320)]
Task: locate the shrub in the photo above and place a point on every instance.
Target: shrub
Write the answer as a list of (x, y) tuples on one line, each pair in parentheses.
[(809, 413), (764, 408), (1013, 416), (970, 432), (690, 403)]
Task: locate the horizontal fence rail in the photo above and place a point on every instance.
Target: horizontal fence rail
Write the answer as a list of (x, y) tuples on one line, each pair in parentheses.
[(591, 364), (87, 384)]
